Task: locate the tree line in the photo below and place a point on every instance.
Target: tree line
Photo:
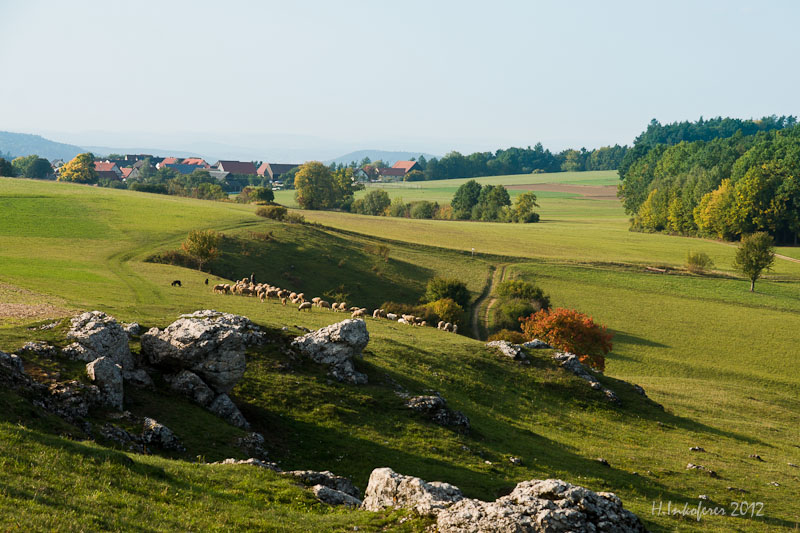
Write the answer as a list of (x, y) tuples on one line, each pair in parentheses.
[(501, 162), (720, 178)]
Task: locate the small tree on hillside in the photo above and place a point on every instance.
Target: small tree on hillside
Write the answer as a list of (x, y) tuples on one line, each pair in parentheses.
[(79, 170), (571, 331), (202, 245), (755, 254)]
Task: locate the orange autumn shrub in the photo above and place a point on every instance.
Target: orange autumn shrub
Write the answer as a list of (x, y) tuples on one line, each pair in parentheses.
[(570, 331)]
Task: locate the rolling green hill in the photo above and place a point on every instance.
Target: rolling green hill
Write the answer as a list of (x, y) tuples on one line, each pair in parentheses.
[(719, 359)]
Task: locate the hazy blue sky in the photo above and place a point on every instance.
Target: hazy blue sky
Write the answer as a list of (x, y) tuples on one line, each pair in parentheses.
[(418, 75)]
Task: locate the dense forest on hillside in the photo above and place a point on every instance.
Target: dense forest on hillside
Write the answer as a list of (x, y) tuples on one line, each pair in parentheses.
[(720, 178)]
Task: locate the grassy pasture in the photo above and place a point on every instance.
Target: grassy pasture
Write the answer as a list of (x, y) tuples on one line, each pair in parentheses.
[(442, 190), (721, 361)]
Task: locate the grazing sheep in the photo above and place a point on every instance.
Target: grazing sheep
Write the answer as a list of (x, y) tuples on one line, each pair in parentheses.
[(358, 313), (292, 295), (448, 326), (315, 299), (409, 318), (262, 296), (376, 313), (283, 294), (324, 304), (402, 321), (301, 295), (455, 328), (283, 302), (246, 291), (440, 325), (219, 287), (304, 305), (423, 323), (391, 316)]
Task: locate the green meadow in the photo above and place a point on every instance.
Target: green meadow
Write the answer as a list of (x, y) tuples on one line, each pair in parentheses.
[(721, 361)]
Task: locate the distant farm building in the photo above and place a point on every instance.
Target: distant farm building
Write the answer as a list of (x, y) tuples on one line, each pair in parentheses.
[(407, 166), (390, 174), (196, 161), (236, 167), (107, 170), (274, 171)]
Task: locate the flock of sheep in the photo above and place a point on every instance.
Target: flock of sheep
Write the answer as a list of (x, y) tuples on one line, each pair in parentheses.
[(264, 292)]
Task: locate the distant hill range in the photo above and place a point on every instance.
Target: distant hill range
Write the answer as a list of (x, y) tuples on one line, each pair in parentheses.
[(374, 155), (22, 144)]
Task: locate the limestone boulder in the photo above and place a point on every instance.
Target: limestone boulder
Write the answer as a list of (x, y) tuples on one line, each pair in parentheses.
[(535, 506), (156, 434), (223, 407), (335, 497), (386, 489), (208, 343), (99, 335), (325, 478), (336, 346), (435, 408), (190, 385), (107, 375)]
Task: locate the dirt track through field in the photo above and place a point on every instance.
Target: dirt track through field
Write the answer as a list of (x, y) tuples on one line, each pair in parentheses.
[(593, 192)]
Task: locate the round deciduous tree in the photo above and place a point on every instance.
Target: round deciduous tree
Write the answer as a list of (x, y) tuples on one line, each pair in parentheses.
[(755, 254), (203, 245), (79, 170)]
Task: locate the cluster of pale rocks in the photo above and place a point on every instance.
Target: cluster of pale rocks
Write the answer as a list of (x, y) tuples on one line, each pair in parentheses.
[(202, 356)]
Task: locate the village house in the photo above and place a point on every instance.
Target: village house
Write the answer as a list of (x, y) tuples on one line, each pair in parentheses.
[(197, 161), (274, 171), (236, 167), (391, 174), (407, 166), (107, 170)]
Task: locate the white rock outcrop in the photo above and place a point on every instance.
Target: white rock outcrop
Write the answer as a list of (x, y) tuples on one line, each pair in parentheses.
[(336, 346), (535, 506)]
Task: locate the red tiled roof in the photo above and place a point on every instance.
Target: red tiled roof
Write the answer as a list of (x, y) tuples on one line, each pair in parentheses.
[(102, 166), (195, 161), (126, 171), (170, 161), (263, 169), (405, 165)]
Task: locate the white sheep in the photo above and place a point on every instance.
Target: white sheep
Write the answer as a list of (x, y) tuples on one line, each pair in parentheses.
[(358, 313), (391, 316), (304, 305)]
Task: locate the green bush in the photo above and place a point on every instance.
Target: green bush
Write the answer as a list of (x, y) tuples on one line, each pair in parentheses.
[(398, 208), (423, 209), (373, 203), (448, 310), (275, 212), (698, 262), (439, 288), (294, 218), (510, 311), (524, 290)]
